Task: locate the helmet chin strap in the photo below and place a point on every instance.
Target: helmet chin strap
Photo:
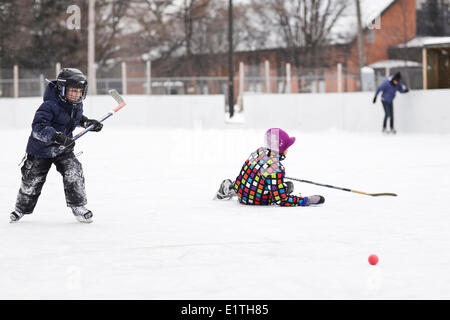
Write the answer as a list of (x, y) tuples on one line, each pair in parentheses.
[(74, 102)]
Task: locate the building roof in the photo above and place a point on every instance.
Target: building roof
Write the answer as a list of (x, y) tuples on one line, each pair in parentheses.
[(421, 42), (394, 64), (346, 27)]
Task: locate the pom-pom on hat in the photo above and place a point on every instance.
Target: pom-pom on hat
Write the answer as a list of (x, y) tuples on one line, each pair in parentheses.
[(278, 140)]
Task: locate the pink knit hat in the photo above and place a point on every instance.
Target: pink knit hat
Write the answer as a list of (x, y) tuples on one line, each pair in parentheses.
[(278, 140)]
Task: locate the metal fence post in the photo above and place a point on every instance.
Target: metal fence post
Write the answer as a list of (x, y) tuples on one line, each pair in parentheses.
[(288, 78), (241, 78), (57, 68), (267, 76), (339, 77), (92, 77), (124, 77), (16, 80), (41, 84), (241, 86), (1, 79), (149, 77)]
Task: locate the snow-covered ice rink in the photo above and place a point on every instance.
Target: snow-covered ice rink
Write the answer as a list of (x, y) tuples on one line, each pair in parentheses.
[(157, 233)]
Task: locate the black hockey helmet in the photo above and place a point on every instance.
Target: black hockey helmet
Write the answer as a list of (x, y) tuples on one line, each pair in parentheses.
[(71, 78)]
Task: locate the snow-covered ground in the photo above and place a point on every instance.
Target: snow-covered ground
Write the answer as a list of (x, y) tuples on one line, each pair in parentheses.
[(157, 233)]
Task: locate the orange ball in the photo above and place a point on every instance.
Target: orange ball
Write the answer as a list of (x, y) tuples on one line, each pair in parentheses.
[(373, 259)]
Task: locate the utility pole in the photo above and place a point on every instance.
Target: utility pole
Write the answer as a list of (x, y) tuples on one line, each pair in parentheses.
[(362, 55), (92, 82), (1, 86), (1, 55), (230, 60)]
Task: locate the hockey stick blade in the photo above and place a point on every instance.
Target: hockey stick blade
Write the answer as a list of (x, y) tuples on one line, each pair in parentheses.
[(116, 96), (376, 194), (383, 194)]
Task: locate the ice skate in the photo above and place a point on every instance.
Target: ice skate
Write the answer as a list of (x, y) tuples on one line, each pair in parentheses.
[(392, 131), (82, 214), (15, 216), (226, 191), (315, 200)]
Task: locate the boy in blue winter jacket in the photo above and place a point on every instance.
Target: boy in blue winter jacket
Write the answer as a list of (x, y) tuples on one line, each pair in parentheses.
[(389, 88), (51, 142)]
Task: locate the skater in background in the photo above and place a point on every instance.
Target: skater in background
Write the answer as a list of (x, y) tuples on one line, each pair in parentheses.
[(51, 142), (389, 87), (261, 179)]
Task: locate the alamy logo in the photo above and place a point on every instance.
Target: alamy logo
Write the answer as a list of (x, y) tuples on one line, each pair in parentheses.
[(73, 22)]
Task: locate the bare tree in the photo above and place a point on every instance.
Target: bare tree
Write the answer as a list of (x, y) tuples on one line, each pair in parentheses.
[(12, 41), (192, 13), (157, 28), (12, 14), (42, 38), (187, 37), (110, 28), (304, 26)]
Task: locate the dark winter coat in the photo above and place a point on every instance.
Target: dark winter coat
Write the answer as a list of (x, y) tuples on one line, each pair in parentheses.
[(53, 116), (261, 181), (389, 90)]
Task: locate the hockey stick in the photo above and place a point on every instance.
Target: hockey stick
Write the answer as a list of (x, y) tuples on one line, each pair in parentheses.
[(345, 189), (121, 103)]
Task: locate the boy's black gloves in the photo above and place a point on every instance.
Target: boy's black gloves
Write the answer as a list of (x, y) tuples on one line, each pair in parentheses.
[(406, 90), (85, 123), (63, 140)]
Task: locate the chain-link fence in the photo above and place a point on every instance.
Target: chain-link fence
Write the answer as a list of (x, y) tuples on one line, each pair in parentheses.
[(165, 85), (135, 79), (412, 77), (31, 82)]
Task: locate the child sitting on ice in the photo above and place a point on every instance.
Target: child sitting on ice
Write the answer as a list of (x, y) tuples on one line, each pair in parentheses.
[(261, 179)]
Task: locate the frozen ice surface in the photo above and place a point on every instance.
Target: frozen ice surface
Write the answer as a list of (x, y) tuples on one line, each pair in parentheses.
[(158, 235)]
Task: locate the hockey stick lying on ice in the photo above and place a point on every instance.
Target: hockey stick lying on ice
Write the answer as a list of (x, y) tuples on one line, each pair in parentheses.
[(121, 103), (345, 189)]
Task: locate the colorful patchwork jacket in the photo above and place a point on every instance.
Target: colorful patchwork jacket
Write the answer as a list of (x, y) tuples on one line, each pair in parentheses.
[(261, 181)]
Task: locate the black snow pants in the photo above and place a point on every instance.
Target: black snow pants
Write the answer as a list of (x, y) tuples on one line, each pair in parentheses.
[(388, 113), (34, 174)]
